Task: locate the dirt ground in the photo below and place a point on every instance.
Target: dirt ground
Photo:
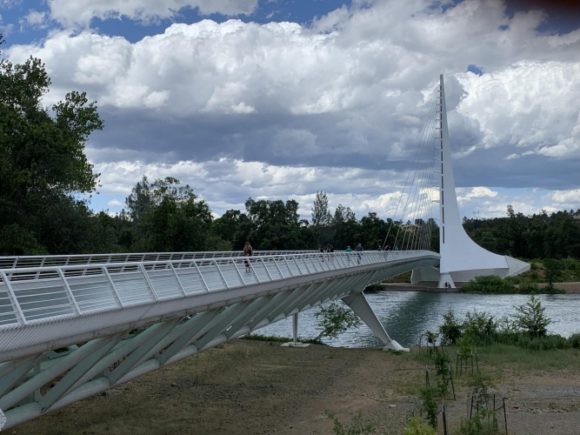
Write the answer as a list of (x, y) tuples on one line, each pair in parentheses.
[(253, 387)]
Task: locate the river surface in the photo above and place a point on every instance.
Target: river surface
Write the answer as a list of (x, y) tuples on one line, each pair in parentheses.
[(407, 315)]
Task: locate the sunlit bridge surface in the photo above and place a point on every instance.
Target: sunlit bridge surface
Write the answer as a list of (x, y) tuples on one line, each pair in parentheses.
[(72, 326)]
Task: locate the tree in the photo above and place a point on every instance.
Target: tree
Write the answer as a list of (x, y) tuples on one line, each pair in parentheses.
[(531, 319), (321, 220), (335, 319), (276, 224), (169, 217), (42, 160), (234, 227), (320, 214)]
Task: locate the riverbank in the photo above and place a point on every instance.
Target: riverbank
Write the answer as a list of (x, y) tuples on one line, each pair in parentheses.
[(566, 287), (253, 387)]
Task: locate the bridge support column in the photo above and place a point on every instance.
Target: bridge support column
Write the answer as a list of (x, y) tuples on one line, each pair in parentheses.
[(445, 281), (359, 304), (295, 342)]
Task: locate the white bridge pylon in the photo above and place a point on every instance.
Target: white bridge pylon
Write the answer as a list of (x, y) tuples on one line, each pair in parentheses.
[(73, 326), (461, 258)]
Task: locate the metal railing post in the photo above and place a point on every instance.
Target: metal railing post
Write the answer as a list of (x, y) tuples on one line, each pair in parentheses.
[(288, 265), (234, 264), (68, 291), (148, 282), (13, 299), (221, 273), (115, 291), (178, 280), (266, 268), (201, 276)]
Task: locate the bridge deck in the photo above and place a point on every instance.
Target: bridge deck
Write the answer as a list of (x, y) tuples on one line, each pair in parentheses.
[(48, 306), (71, 331)]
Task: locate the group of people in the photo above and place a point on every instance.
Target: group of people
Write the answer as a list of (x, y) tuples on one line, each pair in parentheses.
[(249, 251)]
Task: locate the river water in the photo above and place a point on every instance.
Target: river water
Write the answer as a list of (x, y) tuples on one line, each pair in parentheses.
[(407, 315)]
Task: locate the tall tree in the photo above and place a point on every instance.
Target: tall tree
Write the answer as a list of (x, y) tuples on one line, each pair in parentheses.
[(276, 224), (320, 213), (168, 216), (42, 160), (321, 221)]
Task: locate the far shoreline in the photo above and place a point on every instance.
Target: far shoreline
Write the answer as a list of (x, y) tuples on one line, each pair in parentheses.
[(566, 287)]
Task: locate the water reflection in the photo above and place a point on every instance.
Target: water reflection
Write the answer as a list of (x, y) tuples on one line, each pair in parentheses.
[(407, 315)]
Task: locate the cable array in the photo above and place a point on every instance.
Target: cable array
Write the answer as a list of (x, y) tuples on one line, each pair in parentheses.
[(417, 207)]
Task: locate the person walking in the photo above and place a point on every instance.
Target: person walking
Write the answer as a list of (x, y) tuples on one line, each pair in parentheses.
[(348, 251), (248, 252), (358, 249)]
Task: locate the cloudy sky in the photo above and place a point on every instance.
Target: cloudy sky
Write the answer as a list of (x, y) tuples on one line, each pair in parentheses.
[(279, 99)]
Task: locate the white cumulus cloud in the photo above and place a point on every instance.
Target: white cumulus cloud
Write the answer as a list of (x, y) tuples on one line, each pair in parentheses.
[(80, 12)]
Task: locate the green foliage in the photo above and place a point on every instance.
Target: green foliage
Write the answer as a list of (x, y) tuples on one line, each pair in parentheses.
[(19, 241), (320, 214), (429, 405), (541, 235), (488, 284), (334, 319), (526, 329), (442, 371), (275, 225), (357, 426), (574, 341), (483, 422), (553, 271), (480, 327), (416, 426), (168, 216), (547, 342), (450, 330), (42, 162), (530, 318)]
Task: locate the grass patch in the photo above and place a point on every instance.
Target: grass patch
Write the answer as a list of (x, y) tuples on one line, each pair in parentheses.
[(506, 355)]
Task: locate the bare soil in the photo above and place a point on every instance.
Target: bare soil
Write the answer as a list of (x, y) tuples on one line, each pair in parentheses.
[(252, 387)]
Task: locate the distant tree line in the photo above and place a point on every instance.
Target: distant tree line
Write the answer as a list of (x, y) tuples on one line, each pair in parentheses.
[(542, 235)]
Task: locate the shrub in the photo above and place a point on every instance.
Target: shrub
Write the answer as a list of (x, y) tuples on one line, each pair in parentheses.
[(527, 286), (488, 284), (335, 319), (416, 426), (357, 425), (450, 329), (481, 327), (574, 341), (429, 405), (530, 318)]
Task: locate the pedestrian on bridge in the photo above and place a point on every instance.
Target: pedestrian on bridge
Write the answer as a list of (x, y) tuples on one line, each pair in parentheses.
[(358, 249), (248, 252)]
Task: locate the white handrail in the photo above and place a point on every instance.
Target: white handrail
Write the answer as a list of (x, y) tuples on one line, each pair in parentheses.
[(51, 292)]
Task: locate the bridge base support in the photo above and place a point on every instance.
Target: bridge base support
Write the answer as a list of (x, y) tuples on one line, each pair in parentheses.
[(359, 304), (445, 281), (295, 342)]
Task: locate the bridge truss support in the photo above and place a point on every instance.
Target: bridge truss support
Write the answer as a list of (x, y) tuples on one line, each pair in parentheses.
[(359, 304)]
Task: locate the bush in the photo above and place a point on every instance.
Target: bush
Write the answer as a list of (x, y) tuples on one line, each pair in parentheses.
[(416, 426), (357, 425), (488, 284), (527, 286), (481, 327), (335, 319), (574, 341), (450, 329), (530, 318)]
